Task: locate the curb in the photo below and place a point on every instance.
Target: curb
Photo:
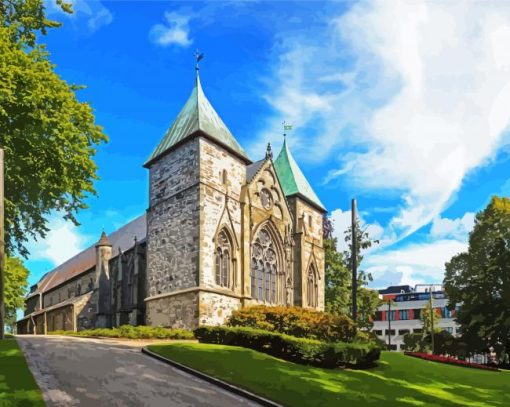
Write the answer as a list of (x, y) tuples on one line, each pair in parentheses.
[(220, 383)]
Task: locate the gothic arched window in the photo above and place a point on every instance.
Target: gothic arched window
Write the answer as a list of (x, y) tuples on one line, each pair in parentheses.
[(223, 259), (312, 289), (265, 275)]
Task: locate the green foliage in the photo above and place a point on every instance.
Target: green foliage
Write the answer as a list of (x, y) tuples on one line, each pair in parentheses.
[(296, 321), (18, 387), (444, 343), (131, 332), (338, 276), (16, 281), (479, 280), (363, 242), (415, 342), (429, 317), (27, 18), (337, 287), (299, 350), (397, 381), (48, 135)]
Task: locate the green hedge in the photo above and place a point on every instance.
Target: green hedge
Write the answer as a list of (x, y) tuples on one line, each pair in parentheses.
[(296, 321), (131, 332), (299, 350)]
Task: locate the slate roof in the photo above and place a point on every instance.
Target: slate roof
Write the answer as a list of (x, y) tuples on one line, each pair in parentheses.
[(292, 178), (85, 260), (253, 169), (198, 115)]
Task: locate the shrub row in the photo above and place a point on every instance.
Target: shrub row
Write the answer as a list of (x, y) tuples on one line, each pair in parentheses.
[(299, 350), (296, 321), (131, 332)]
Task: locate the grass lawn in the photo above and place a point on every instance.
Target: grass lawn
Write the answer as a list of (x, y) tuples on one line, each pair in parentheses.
[(398, 380), (17, 385)]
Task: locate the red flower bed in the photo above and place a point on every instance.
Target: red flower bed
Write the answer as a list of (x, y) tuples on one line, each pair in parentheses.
[(450, 361)]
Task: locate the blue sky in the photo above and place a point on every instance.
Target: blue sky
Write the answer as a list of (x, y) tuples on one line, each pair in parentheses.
[(403, 105)]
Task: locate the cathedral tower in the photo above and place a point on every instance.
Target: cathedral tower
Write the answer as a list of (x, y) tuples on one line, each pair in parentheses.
[(307, 212), (196, 174)]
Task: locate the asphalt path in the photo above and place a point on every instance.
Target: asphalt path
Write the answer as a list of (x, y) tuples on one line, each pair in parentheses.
[(89, 372)]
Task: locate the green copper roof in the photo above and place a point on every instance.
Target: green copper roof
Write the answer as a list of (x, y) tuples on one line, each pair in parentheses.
[(292, 179), (198, 114)]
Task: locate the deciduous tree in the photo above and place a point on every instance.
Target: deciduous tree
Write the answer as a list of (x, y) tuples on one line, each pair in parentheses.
[(479, 280), (16, 276), (49, 136), (339, 279)]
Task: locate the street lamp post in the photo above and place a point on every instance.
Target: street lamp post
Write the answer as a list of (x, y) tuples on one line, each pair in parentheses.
[(431, 318), (389, 324)]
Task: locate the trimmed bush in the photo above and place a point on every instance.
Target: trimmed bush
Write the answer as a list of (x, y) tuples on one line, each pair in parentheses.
[(296, 321), (299, 350), (131, 332)]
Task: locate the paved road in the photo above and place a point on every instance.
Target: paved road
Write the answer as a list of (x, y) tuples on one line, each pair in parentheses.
[(88, 372)]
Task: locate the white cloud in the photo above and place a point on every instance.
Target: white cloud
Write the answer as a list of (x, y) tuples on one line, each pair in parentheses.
[(453, 228), (342, 221), (175, 32), (93, 12), (408, 96), (416, 263), (61, 243)]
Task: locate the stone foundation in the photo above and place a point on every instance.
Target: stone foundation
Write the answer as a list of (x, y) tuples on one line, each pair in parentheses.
[(175, 311)]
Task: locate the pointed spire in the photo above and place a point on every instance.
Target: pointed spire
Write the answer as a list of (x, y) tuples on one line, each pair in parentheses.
[(292, 178), (103, 240), (269, 152), (198, 117)]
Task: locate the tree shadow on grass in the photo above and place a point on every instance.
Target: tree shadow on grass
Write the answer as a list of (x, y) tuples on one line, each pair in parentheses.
[(397, 381), (17, 385)]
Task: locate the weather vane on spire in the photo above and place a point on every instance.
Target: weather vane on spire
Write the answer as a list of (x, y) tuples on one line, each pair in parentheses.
[(198, 56), (286, 127)]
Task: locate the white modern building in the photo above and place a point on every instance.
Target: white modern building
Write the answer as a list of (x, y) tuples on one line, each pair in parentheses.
[(402, 311)]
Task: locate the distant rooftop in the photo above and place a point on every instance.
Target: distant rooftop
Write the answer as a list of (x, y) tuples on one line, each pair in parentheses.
[(122, 238)]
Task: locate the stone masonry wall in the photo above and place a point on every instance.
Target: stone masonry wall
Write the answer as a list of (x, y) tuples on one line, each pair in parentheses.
[(277, 213), (221, 178), (216, 308), (173, 221), (176, 311), (75, 287), (311, 248)]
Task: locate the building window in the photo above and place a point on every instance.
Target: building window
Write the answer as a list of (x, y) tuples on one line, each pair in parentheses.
[(403, 331), (378, 316), (393, 347), (449, 329), (446, 313), (391, 332), (391, 316), (417, 313), (404, 314), (78, 289), (310, 221), (224, 177), (378, 332), (417, 331), (223, 259), (312, 289), (265, 270)]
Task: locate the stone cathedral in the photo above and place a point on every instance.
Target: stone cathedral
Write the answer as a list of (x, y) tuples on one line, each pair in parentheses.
[(220, 232)]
